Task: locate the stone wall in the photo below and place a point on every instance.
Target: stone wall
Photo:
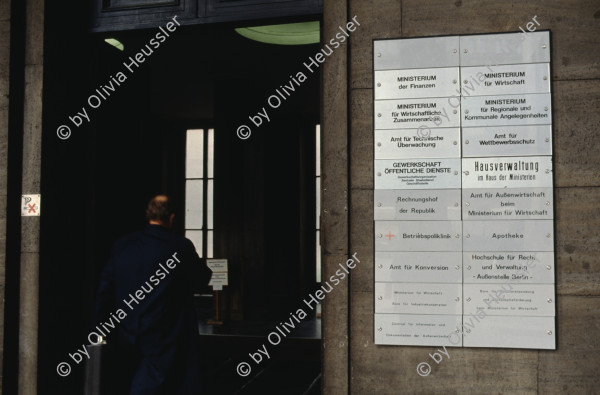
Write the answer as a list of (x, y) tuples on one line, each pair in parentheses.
[(4, 89), (31, 179), (362, 367)]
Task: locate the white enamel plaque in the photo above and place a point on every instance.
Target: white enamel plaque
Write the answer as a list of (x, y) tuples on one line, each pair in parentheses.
[(505, 79), (417, 330), (417, 204), (505, 48), (415, 113), (530, 109), (463, 201), (418, 267), (417, 143), (416, 53), (507, 141), (507, 172), (508, 235), (511, 299), (418, 298), (512, 332), (398, 84), (516, 203), (508, 267), (418, 236), (417, 174)]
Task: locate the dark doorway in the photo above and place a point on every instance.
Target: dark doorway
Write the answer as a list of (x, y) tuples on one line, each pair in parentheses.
[(97, 182)]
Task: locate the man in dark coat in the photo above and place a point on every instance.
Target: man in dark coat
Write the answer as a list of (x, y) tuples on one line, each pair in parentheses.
[(150, 278)]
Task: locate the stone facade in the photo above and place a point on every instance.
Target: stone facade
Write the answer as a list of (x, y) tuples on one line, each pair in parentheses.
[(4, 89), (351, 361)]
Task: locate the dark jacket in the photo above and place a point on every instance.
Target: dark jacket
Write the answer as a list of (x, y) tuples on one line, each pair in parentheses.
[(150, 278)]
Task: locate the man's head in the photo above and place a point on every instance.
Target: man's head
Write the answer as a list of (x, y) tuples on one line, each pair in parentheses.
[(160, 212)]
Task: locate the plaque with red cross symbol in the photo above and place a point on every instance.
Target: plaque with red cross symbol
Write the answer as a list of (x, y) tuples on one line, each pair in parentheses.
[(30, 205)]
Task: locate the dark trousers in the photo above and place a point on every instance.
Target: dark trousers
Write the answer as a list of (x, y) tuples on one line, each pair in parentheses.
[(169, 370)]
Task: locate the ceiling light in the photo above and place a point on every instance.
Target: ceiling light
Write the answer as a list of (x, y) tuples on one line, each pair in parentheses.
[(115, 43), (288, 34)]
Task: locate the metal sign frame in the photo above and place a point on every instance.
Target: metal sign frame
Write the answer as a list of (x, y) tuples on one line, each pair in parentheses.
[(543, 335)]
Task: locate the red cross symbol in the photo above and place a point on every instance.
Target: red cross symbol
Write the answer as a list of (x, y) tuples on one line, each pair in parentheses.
[(389, 236), (31, 208)]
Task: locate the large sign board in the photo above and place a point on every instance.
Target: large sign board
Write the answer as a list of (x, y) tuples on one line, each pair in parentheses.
[(463, 199)]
